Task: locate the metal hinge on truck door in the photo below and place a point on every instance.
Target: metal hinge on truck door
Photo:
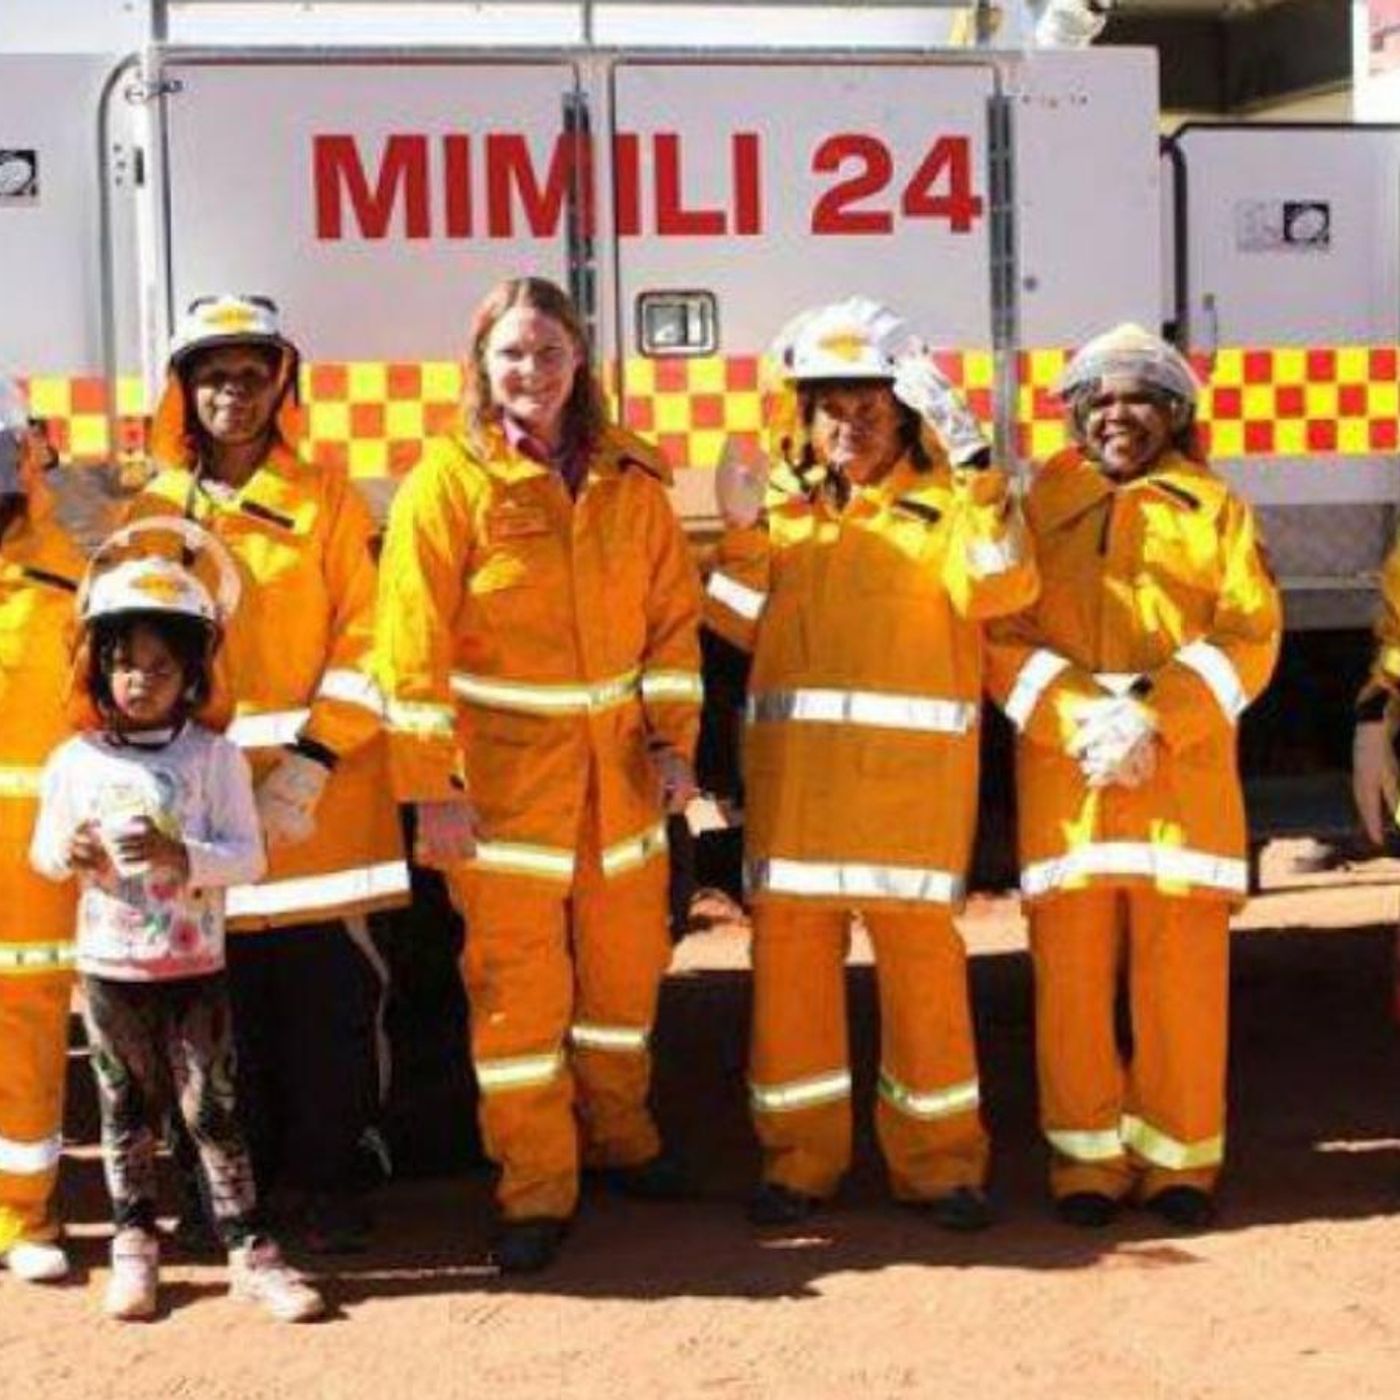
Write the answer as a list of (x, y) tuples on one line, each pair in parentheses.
[(581, 250)]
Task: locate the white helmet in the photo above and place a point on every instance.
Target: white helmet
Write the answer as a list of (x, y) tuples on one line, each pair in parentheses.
[(852, 339), (228, 320), (152, 585), (1132, 352), (156, 583)]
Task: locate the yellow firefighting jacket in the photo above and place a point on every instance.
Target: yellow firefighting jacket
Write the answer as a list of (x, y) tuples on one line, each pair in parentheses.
[(1161, 578), (527, 641), (298, 659), (40, 569), (866, 624), (1384, 678)]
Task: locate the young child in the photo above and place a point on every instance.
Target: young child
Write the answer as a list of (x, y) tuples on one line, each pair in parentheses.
[(154, 815)]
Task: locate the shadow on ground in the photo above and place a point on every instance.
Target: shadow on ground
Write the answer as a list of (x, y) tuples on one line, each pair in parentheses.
[(1312, 1137)]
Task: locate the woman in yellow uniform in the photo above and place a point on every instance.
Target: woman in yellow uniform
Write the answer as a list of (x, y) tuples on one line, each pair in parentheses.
[(1157, 624), (307, 982), (862, 587), (39, 572), (538, 649)]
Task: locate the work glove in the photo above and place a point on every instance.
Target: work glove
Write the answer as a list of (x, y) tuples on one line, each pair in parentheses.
[(741, 485), (675, 778), (1115, 743), (288, 796), (919, 384), (1375, 783), (447, 832)]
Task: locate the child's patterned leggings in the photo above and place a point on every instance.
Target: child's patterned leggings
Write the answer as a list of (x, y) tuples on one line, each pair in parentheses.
[(154, 1042)]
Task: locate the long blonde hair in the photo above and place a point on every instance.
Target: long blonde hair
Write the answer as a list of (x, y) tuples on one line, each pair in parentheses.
[(585, 412)]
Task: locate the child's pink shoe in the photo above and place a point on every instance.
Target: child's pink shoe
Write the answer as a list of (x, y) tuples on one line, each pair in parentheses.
[(131, 1291), (258, 1273)]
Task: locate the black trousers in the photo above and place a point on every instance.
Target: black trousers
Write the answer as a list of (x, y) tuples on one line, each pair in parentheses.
[(305, 1001)]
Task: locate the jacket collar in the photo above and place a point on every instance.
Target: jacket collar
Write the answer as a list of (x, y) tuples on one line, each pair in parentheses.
[(1069, 485)]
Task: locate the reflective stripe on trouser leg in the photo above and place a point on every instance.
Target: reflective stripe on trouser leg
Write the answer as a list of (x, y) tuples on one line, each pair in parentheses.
[(1174, 1122), (520, 988), (799, 1080), (621, 947), (927, 1116), (34, 1056), (1075, 946)]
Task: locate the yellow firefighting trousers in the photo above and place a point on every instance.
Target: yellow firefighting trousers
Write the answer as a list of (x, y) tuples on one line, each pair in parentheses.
[(563, 985), (1158, 1120), (34, 1053), (927, 1116)]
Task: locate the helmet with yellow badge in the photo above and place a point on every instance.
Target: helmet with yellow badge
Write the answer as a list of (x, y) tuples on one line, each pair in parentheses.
[(215, 322), (211, 327), (188, 600)]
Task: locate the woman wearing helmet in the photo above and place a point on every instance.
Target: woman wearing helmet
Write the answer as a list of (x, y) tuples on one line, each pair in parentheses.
[(861, 581), (537, 627), (1157, 624), (39, 572), (153, 813), (304, 972)]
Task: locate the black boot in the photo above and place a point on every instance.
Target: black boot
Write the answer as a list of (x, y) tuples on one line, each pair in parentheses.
[(659, 1178), (527, 1246), (1183, 1207), (1087, 1210), (774, 1204), (964, 1209)]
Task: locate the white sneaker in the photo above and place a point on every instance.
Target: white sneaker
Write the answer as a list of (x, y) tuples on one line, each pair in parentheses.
[(131, 1291), (257, 1273), (36, 1261)]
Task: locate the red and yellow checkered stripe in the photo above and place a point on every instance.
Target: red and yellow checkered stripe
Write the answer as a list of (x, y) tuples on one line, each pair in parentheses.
[(373, 416)]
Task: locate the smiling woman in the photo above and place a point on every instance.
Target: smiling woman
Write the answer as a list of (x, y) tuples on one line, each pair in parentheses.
[(538, 637), (1158, 623)]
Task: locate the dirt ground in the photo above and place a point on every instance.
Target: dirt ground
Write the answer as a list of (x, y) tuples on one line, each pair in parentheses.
[(1296, 1293)]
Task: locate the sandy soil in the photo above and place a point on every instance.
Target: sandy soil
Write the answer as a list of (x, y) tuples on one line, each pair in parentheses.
[(1295, 1294)]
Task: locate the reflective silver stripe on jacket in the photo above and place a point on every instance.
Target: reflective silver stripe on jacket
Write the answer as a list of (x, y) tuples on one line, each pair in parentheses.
[(935, 1103), (314, 893), (737, 597), (854, 881), (1170, 865), (1169, 1153), (1218, 672), (593, 1035), (867, 708), (1040, 669), (801, 1093), (539, 699), (672, 685), (30, 1158), (351, 687), (22, 959), (19, 781), (422, 718), (518, 1071), (1085, 1145), (269, 730)]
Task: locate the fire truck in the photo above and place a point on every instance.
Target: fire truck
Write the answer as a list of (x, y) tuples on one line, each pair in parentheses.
[(375, 170)]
